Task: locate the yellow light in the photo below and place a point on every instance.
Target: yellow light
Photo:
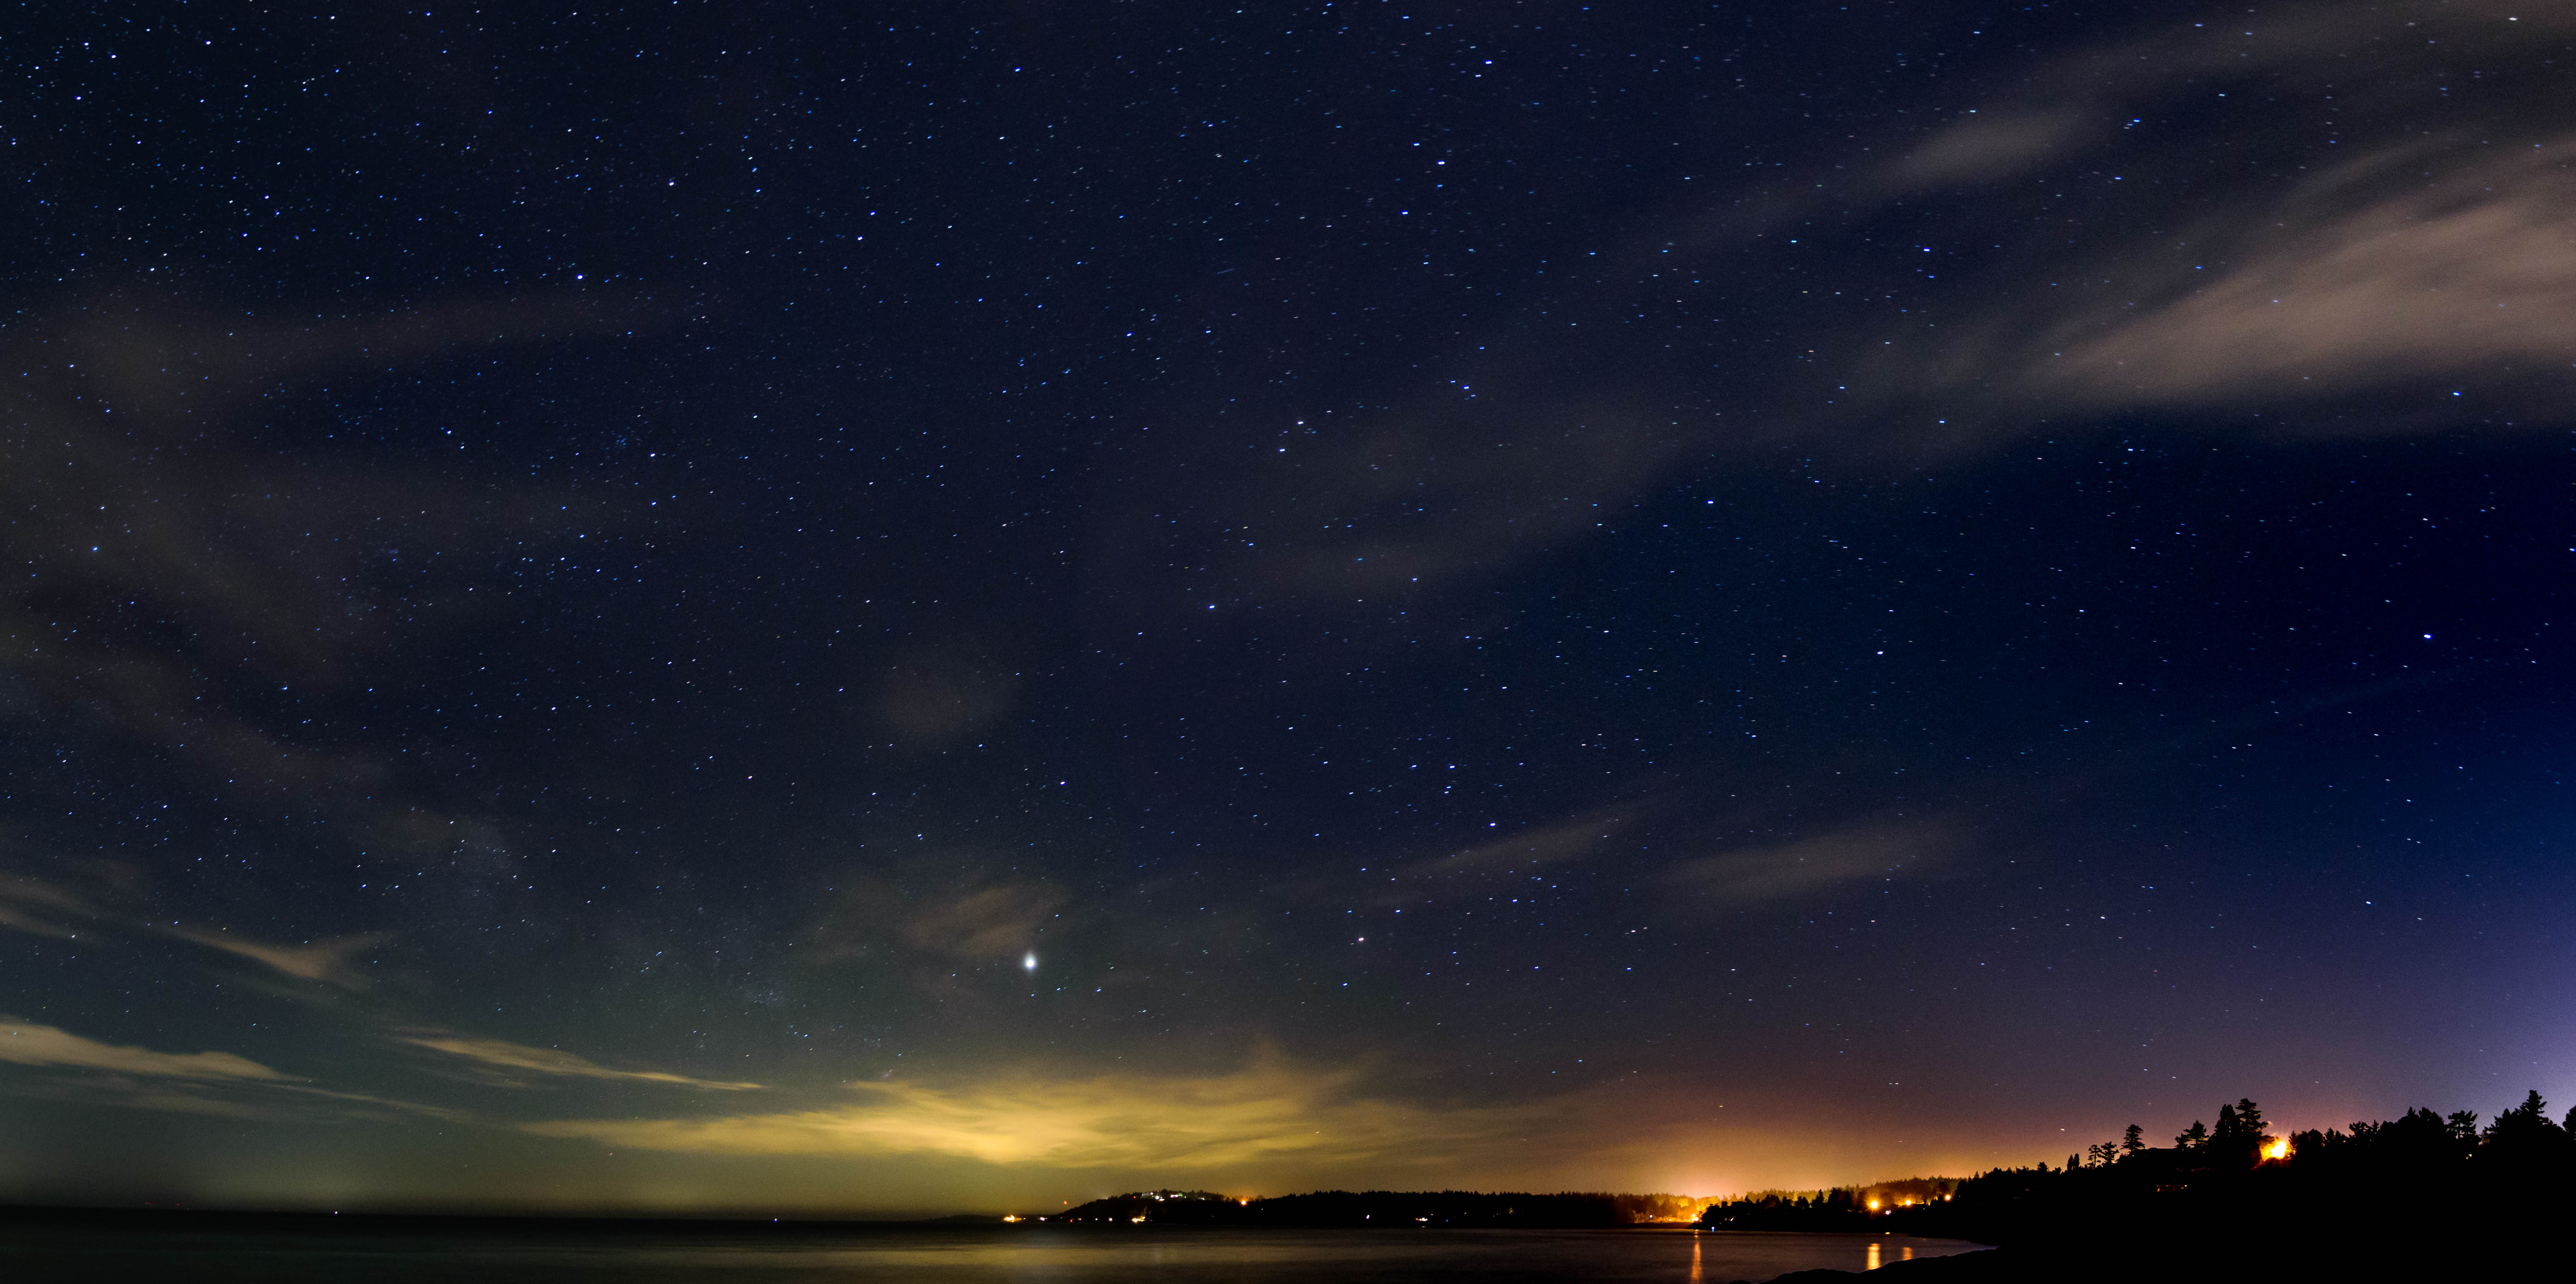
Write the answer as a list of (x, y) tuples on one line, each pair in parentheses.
[(1138, 1220), (2278, 1149), (1010, 1217)]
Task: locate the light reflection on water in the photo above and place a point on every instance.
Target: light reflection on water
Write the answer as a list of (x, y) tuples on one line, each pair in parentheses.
[(1052, 1255), (1904, 1251)]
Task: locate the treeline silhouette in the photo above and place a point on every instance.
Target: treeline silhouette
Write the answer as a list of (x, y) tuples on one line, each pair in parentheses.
[(1843, 1208), (1566, 1210), (2423, 1194)]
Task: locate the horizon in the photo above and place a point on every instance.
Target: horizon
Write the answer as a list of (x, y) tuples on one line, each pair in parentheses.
[(1025, 1213), (762, 605)]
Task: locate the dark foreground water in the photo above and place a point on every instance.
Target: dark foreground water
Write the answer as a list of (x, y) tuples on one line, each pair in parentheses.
[(1048, 1255)]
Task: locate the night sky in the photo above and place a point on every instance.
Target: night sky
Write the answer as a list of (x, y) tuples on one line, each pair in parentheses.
[(865, 608)]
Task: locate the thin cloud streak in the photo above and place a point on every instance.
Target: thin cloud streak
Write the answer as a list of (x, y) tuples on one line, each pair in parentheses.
[(550, 1061), (40, 908), (326, 961), (1531, 848), (1577, 838), (28, 1044), (1876, 850), (45, 907)]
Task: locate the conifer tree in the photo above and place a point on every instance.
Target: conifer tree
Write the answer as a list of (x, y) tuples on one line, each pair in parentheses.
[(2463, 1127), (2249, 1117), (2526, 1135)]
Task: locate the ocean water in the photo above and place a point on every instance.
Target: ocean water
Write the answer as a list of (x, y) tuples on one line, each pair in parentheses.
[(919, 1255)]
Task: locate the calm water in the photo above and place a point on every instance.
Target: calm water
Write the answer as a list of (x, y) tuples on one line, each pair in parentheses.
[(1070, 1255)]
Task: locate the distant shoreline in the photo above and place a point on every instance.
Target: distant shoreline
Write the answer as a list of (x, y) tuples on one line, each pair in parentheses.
[(374, 1221), (57, 1214)]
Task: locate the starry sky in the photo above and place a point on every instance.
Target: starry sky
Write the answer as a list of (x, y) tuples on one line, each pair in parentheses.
[(867, 609)]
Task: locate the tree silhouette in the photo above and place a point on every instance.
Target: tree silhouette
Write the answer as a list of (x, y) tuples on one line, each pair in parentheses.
[(2238, 1139), (2525, 1137), (2424, 1196), (2249, 1117), (2463, 1126), (2531, 1117)]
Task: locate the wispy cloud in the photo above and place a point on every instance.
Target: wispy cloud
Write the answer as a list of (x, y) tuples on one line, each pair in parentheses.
[(202, 1083), (1532, 848), (1436, 490), (2474, 271), (2383, 258), (40, 907), (29, 1044), (1988, 147), (2160, 294), (947, 911), (551, 1061), (326, 961), (1875, 850), (1267, 1114), (67, 909), (1579, 837), (128, 488)]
